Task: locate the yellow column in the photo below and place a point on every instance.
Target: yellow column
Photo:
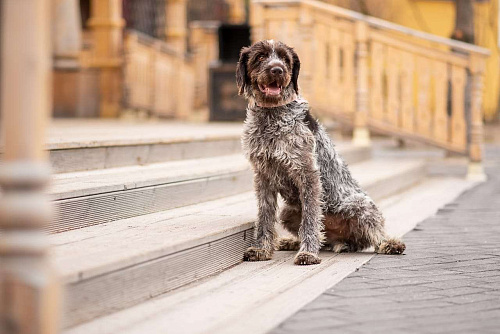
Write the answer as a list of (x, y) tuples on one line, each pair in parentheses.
[(361, 135), (176, 24), (29, 293), (107, 24)]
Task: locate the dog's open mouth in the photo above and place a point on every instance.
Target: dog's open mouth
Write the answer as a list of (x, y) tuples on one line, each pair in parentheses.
[(272, 89)]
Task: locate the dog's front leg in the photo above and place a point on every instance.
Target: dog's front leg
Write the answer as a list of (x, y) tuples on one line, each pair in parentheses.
[(266, 233), (311, 235)]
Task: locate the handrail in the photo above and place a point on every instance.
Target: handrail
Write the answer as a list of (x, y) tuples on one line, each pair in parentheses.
[(381, 24)]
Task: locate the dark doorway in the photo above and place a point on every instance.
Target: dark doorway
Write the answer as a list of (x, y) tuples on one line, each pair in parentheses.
[(85, 12)]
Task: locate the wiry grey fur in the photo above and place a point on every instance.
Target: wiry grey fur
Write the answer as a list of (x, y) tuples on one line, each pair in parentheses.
[(292, 155)]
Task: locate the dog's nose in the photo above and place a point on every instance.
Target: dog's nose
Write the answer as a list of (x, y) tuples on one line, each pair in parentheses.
[(276, 70)]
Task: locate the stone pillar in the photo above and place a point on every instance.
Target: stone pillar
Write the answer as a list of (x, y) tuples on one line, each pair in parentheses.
[(256, 22), (29, 292), (67, 34), (237, 10), (476, 170), (204, 46), (361, 135), (176, 24), (107, 25), (66, 50)]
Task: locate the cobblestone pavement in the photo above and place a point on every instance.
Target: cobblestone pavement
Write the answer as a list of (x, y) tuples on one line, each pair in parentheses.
[(448, 281)]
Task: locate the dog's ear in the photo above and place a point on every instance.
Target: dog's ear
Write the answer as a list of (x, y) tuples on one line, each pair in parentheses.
[(295, 70), (242, 78)]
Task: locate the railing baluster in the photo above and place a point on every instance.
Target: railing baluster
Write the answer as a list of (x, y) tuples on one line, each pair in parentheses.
[(393, 107), (475, 170), (361, 135), (458, 125), (334, 75), (350, 50), (29, 293), (319, 66), (423, 108), (440, 119), (306, 51), (407, 92), (377, 70)]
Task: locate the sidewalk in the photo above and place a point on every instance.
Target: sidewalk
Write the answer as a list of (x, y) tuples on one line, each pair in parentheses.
[(448, 281)]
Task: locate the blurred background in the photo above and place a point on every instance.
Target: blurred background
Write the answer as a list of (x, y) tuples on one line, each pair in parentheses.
[(167, 58), (124, 115)]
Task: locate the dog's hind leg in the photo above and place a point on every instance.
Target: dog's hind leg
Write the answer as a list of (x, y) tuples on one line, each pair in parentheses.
[(368, 225), (290, 217)]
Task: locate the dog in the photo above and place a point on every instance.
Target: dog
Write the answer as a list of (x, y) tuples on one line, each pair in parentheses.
[(292, 155)]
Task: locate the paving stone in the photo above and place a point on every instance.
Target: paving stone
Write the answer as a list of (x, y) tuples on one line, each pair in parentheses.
[(471, 298), (448, 280)]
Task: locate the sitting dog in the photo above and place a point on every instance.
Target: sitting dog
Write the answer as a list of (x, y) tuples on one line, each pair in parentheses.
[(292, 155)]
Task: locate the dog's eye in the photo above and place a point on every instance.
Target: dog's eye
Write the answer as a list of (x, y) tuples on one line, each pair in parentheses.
[(262, 58)]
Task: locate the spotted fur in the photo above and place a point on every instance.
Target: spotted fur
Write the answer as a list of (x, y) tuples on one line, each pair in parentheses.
[(292, 155)]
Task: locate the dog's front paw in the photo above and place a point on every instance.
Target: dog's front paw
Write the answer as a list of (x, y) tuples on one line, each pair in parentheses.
[(306, 258), (257, 254)]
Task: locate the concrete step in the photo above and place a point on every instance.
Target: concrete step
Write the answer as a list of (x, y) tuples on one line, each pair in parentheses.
[(254, 297), (89, 198), (79, 145), (114, 265), (94, 197), (144, 145)]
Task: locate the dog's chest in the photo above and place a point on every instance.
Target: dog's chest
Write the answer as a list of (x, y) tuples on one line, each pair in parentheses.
[(275, 139)]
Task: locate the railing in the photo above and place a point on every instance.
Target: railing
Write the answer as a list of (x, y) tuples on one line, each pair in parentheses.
[(157, 79), (370, 73)]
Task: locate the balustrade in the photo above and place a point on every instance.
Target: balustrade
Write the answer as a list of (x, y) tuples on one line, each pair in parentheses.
[(372, 74)]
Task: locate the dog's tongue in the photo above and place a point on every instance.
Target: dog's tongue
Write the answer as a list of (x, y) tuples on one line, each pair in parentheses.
[(273, 89), (270, 90)]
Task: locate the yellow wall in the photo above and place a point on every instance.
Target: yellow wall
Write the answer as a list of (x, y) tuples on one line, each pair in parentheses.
[(438, 17)]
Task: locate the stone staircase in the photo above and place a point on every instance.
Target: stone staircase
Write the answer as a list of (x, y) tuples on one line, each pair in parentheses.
[(145, 211)]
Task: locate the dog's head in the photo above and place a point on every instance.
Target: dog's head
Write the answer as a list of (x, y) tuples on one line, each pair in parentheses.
[(267, 72)]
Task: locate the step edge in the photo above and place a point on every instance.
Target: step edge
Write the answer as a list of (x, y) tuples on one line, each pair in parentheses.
[(136, 260), (152, 182), (139, 142)]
